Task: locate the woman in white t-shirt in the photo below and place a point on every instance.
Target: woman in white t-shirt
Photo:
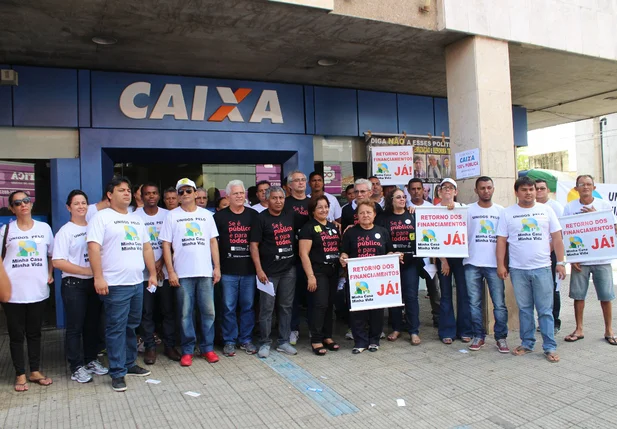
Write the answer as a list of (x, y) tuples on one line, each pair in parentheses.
[(26, 254), (82, 305)]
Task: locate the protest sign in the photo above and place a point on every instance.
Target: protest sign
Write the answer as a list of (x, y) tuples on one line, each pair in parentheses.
[(467, 164), (393, 165), (589, 236), (374, 282), (441, 232)]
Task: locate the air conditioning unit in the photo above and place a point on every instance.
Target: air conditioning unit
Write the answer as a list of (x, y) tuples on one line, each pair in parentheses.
[(8, 77)]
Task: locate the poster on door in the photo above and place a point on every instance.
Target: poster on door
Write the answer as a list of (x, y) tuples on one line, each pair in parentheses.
[(589, 236), (374, 282), (269, 172), (441, 233), (16, 176)]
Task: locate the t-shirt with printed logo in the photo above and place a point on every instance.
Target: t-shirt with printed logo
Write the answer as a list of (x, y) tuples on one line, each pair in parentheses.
[(234, 245), (359, 242), (402, 230), (26, 261), (70, 245), (528, 231), (276, 238), (299, 209), (153, 225), (482, 226), (189, 234), (325, 241), (121, 237)]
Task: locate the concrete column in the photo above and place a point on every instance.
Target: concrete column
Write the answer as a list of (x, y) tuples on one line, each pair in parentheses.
[(480, 116)]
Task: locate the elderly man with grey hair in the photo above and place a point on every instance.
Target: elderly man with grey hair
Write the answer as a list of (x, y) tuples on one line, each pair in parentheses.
[(237, 270), (273, 253), (362, 191)]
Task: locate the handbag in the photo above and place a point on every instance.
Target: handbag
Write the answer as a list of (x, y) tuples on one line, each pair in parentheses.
[(6, 234)]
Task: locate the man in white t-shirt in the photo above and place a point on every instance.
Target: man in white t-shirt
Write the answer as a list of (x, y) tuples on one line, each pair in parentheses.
[(118, 246), (542, 192), (526, 229), (316, 183), (96, 207), (262, 186), (482, 222), (601, 271), (191, 232)]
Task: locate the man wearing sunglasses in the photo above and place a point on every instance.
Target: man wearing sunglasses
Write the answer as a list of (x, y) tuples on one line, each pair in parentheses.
[(191, 232)]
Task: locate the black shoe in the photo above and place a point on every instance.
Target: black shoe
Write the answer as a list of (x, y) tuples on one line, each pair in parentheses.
[(435, 323), (138, 371), (118, 384)]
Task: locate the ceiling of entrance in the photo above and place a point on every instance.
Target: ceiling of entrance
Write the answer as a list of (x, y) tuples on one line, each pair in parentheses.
[(257, 40)]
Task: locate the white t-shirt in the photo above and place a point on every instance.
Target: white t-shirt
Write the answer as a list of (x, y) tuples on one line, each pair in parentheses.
[(26, 262), (528, 231), (335, 211), (556, 206), (482, 226), (575, 207), (456, 204), (424, 203), (121, 237), (70, 245), (259, 208), (153, 225), (189, 234), (92, 210)]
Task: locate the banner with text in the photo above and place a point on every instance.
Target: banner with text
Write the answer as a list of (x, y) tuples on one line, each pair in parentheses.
[(566, 192), (467, 164), (392, 165), (589, 236), (374, 282), (441, 232)]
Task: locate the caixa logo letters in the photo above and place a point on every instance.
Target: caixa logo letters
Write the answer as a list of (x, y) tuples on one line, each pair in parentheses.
[(171, 102)]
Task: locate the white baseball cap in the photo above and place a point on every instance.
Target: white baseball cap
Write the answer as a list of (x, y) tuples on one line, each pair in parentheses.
[(450, 181), (185, 182)]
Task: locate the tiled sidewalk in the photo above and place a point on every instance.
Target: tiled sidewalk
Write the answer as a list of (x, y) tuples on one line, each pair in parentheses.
[(441, 387)]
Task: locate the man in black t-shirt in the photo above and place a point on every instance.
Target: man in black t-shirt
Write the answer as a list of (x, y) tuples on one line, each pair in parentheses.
[(362, 191), (272, 251), (237, 270)]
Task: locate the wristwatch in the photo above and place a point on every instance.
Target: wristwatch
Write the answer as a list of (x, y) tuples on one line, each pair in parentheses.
[(563, 263)]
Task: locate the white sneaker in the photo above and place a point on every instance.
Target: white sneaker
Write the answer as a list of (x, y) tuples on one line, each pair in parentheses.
[(293, 338), (287, 349), (96, 367), (383, 335), (348, 335), (264, 351), (81, 375)]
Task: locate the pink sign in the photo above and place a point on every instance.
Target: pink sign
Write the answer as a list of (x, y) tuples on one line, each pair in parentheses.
[(15, 176), (269, 172), (333, 179)]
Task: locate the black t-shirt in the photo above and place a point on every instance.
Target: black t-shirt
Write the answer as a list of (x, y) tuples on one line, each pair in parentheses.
[(326, 240), (234, 233), (349, 215), (276, 237), (402, 229), (299, 209), (359, 242)]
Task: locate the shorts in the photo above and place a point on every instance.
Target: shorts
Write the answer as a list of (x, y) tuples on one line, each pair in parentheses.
[(602, 280)]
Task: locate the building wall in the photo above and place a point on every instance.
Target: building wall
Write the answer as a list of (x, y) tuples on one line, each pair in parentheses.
[(609, 138)]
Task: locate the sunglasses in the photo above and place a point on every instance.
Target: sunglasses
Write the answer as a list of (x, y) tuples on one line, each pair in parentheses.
[(183, 191), (17, 203)]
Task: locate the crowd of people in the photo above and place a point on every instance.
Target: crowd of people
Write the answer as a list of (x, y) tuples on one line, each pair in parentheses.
[(182, 275)]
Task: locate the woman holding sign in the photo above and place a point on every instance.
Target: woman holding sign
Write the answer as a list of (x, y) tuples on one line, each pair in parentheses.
[(319, 252), (401, 226), (362, 240)]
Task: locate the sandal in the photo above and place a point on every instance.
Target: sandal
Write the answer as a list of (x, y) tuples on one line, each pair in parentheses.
[(373, 348), (358, 350), (394, 336), (415, 340), (21, 387), (332, 346), (466, 339), (611, 340), (319, 351), (552, 357), (447, 341), (573, 337), (520, 351), (42, 381)]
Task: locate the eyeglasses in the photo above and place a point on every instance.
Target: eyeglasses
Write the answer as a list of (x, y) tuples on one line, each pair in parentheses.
[(585, 185), (360, 191), (447, 188), (299, 180), (17, 203), (183, 191)]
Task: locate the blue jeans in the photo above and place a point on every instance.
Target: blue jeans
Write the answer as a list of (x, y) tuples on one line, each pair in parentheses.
[(194, 289), (123, 307), (535, 287), (475, 277), (449, 325), (410, 282), (238, 291)]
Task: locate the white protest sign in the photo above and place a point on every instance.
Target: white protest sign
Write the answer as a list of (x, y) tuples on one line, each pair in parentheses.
[(374, 282), (441, 233), (393, 165), (589, 236), (467, 164)]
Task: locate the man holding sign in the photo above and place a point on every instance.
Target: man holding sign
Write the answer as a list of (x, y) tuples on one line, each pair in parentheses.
[(601, 270)]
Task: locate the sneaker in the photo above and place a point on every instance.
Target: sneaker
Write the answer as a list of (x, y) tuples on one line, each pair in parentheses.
[(287, 348), (81, 375), (476, 344), (348, 335), (249, 348), (229, 350), (118, 384), (138, 371), (373, 348), (502, 346), (211, 356), (96, 367), (293, 338), (382, 336), (557, 329), (186, 360), (264, 351), (140, 345)]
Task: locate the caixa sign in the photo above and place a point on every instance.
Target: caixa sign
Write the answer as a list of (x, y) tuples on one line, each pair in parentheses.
[(123, 100)]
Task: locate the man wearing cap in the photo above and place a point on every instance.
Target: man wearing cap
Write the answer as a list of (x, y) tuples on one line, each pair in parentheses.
[(191, 232), (449, 325)]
